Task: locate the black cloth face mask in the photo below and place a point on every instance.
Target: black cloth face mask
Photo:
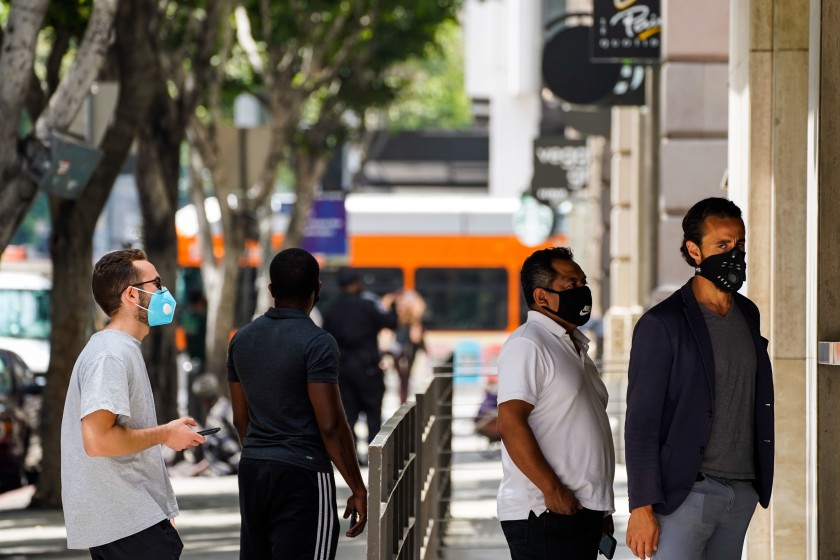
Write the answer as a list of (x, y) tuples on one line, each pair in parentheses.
[(575, 305), (727, 271)]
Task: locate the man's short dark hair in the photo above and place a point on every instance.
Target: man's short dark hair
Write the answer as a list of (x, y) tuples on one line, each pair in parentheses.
[(294, 275), (694, 222), (537, 271), (112, 274)]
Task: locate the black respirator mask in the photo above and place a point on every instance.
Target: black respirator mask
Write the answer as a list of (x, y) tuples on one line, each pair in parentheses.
[(727, 271), (575, 305)]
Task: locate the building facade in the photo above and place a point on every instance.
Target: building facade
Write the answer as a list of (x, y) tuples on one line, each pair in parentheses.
[(744, 105)]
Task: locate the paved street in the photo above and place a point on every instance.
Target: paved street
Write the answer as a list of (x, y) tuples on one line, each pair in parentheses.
[(209, 520)]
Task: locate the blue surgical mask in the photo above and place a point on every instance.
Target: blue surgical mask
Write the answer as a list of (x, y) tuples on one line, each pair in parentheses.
[(161, 308)]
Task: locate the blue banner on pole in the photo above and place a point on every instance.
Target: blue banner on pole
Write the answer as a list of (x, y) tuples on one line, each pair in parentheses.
[(326, 228)]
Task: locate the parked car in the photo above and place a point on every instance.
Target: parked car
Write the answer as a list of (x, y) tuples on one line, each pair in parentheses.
[(18, 418), (25, 317)]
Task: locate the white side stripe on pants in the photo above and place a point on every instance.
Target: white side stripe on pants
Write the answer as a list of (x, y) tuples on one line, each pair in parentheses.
[(326, 514)]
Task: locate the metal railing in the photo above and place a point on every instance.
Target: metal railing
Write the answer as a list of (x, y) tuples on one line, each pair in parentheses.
[(409, 477)]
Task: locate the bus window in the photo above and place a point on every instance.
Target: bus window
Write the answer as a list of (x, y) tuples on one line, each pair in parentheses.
[(464, 298), (25, 313), (376, 280)]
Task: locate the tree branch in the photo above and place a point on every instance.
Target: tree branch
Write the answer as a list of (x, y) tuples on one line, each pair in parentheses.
[(18, 54), (59, 49), (245, 39), (75, 86), (207, 39), (348, 44)]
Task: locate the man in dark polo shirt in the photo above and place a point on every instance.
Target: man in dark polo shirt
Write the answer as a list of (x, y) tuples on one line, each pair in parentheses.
[(283, 374)]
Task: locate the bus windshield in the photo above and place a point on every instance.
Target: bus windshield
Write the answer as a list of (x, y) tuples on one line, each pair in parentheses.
[(25, 313)]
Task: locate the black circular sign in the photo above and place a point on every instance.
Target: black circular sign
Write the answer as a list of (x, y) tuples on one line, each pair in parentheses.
[(568, 72)]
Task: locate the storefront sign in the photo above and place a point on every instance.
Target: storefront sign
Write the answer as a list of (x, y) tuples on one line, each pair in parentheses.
[(533, 222), (326, 228), (569, 72), (560, 163), (626, 30)]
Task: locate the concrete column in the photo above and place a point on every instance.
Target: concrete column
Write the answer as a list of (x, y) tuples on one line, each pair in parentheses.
[(827, 284), (750, 176), (626, 163), (769, 79)]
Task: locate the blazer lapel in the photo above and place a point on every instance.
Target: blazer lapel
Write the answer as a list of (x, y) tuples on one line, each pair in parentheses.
[(701, 335)]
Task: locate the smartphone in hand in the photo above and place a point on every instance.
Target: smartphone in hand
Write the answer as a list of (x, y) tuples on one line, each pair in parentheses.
[(208, 431), (607, 545)]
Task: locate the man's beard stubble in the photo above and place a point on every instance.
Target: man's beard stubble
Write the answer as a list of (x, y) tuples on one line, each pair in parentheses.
[(141, 314)]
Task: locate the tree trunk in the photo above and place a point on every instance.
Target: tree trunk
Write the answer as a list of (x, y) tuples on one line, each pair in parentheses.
[(17, 192), (261, 282), (72, 235), (309, 168), (221, 302), (221, 276), (158, 163), (71, 327)]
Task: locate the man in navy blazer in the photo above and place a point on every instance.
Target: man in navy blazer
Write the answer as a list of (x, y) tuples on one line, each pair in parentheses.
[(699, 425)]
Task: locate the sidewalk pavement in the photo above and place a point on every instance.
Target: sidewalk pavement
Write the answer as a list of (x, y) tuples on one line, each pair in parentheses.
[(209, 519)]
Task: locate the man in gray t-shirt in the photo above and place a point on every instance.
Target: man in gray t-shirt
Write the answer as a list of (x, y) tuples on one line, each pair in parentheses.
[(116, 494)]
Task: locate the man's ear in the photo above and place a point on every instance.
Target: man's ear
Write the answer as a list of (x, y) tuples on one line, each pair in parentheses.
[(540, 296), (129, 295), (693, 251), (271, 291)]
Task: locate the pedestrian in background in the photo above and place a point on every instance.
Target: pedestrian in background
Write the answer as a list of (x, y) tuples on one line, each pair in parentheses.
[(221, 452), (408, 337), (556, 495), (355, 323), (116, 494), (283, 374), (699, 427)]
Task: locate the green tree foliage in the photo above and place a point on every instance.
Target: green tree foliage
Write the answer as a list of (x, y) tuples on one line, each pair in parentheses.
[(431, 94)]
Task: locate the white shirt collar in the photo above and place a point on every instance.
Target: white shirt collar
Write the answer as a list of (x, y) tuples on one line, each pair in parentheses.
[(556, 329)]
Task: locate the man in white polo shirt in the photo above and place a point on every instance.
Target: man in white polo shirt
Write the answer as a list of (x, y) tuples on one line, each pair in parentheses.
[(556, 495)]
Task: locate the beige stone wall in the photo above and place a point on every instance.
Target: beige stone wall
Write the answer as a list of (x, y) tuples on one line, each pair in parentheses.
[(693, 123), (625, 259), (665, 157), (774, 65), (768, 76)]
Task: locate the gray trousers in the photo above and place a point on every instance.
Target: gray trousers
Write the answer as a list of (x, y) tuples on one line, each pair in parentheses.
[(710, 524)]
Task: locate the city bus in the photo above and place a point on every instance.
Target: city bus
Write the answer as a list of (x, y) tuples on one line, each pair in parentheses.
[(458, 251)]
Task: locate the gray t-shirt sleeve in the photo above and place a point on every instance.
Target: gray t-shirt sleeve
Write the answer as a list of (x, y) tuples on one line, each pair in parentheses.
[(104, 386), (322, 360)]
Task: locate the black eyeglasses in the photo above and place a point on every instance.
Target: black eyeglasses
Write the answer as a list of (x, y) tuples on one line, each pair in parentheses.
[(156, 281)]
